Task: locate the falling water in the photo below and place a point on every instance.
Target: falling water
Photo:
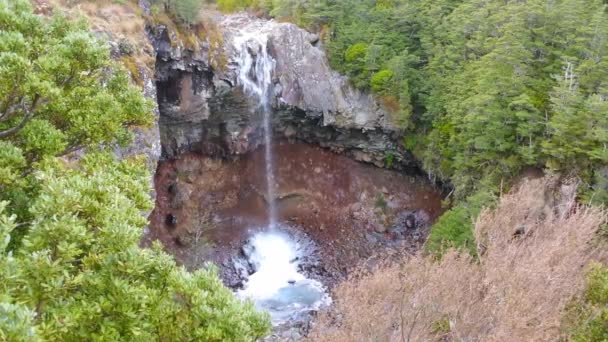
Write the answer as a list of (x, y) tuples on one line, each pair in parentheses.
[(255, 76), (277, 284)]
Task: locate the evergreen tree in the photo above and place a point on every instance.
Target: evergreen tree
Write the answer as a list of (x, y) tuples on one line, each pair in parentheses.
[(71, 268)]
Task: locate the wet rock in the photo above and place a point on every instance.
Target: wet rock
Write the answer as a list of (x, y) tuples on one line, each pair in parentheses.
[(410, 221), (171, 220), (172, 189), (519, 232), (247, 250), (380, 228), (179, 241), (289, 132), (372, 238)]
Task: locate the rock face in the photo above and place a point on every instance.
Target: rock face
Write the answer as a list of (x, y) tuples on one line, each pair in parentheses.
[(203, 108), (303, 78)]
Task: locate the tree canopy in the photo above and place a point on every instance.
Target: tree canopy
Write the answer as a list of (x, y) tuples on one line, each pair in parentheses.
[(483, 89), (71, 268)]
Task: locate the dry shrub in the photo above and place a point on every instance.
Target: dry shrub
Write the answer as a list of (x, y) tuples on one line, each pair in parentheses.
[(123, 21), (390, 103), (533, 248)]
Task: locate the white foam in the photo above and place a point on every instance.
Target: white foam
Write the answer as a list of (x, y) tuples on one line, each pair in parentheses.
[(277, 285)]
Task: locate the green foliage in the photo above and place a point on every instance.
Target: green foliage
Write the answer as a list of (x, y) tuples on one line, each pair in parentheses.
[(81, 269), (441, 327), (55, 80), (234, 5), (355, 64), (185, 11), (356, 53), (381, 81), (454, 229), (389, 160), (16, 323), (587, 319), (489, 87), (71, 268), (380, 202)]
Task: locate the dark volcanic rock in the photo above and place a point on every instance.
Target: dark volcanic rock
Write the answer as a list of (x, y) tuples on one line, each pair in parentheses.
[(202, 109)]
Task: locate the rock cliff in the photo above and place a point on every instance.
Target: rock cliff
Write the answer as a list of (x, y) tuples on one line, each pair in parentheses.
[(203, 109)]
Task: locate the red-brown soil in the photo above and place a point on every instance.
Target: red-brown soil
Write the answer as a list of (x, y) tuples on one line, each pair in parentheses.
[(207, 207)]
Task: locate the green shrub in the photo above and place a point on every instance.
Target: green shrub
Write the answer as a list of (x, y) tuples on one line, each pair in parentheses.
[(186, 11), (356, 53), (454, 229), (381, 81), (236, 5), (587, 319), (71, 267)]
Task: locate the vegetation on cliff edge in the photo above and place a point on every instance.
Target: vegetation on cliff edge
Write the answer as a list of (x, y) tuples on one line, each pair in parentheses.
[(70, 265)]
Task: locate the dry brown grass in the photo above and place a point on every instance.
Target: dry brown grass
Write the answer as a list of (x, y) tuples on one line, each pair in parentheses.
[(516, 291), (123, 21)]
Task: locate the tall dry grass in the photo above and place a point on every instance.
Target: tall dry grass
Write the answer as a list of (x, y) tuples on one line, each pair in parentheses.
[(534, 248)]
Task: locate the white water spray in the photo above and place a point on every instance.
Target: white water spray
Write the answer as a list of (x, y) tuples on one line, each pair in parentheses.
[(255, 75), (277, 285)]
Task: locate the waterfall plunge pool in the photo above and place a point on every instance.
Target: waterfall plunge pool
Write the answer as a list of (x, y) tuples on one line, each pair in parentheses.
[(278, 284)]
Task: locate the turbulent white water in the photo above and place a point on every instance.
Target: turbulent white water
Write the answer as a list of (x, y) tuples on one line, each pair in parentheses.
[(255, 76), (277, 286)]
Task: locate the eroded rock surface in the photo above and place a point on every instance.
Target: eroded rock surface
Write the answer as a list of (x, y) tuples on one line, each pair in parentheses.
[(303, 79), (203, 109)]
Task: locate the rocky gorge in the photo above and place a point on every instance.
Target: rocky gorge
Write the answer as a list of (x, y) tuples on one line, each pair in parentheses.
[(344, 186)]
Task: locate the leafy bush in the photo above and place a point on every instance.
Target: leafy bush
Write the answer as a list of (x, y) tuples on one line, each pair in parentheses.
[(185, 11), (587, 319), (356, 53), (381, 81), (454, 229), (71, 268), (233, 5)]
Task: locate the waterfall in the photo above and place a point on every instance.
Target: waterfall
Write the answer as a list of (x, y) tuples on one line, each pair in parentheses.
[(277, 284), (255, 76)]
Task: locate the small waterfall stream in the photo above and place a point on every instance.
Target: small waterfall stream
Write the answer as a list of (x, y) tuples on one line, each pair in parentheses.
[(277, 284), (255, 76)]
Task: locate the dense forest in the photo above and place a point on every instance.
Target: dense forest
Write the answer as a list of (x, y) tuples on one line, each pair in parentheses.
[(482, 90)]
